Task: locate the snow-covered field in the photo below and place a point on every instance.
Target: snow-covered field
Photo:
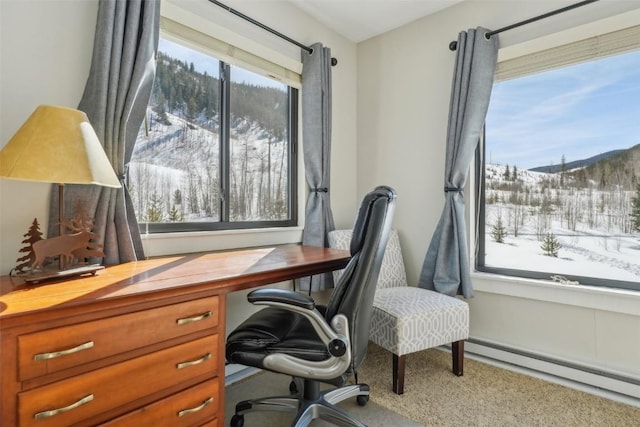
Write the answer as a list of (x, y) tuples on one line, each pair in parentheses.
[(579, 256), (602, 250)]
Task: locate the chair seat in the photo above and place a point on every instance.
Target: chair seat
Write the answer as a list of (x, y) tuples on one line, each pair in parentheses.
[(274, 330), (408, 319)]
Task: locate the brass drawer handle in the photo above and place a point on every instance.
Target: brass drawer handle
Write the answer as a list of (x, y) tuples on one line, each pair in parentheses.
[(194, 318), (51, 413), (53, 355), (196, 409), (194, 362)]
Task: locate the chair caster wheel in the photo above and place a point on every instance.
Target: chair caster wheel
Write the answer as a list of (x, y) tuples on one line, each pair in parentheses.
[(362, 399), (293, 387), (237, 421)]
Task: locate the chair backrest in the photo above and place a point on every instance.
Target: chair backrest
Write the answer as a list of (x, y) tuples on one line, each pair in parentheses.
[(392, 271), (355, 289)]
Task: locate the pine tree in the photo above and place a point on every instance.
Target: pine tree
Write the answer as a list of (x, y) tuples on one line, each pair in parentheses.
[(514, 173), (175, 215), (635, 210), (160, 110), (33, 235), (551, 246), (177, 197), (499, 232), (154, 211), (507, 173)]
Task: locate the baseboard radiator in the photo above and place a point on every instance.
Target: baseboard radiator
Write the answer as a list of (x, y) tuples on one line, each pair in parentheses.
[(609, 384)]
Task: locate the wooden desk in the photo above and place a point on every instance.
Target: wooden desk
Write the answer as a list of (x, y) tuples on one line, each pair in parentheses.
[(140, 343)]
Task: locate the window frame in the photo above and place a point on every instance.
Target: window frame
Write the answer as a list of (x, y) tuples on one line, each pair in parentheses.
[(224, 222), (479, 188)]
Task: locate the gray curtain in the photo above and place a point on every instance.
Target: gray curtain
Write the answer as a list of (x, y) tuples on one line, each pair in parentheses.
[(316, 136), (115, 100), (446, 264)]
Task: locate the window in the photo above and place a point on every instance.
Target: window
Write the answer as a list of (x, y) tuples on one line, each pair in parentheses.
[(560, 169), (217, 149)]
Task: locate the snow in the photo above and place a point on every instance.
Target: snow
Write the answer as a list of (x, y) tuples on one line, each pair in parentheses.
[(182, 155), (605, 250), (589, 259)]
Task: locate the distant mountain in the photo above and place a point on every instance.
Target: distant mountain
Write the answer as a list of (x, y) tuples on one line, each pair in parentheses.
[(578, 163), (617, 169)]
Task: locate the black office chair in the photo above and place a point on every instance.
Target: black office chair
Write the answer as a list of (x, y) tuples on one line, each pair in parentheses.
[(317, 344)]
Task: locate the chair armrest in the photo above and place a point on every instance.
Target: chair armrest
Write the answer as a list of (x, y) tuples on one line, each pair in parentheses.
[(335, 335), (306, 306), (283, 296)]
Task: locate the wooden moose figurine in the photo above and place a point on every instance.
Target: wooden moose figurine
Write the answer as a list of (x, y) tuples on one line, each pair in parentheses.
[(67, 246)]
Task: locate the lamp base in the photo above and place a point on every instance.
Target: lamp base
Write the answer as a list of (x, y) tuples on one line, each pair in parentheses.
[(39, 276)]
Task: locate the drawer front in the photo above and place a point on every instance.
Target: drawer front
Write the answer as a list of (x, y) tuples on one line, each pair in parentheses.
[(71, 400), (192, 407), (53, 350)]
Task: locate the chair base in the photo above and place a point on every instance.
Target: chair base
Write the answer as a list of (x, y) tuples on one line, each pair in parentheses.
[(399, 363), (309, 405)]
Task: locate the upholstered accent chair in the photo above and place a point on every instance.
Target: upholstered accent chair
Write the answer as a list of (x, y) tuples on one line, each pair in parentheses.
[(407, 319)]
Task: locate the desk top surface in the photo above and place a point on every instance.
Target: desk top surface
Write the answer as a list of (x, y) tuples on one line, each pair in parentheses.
[(225, 271)]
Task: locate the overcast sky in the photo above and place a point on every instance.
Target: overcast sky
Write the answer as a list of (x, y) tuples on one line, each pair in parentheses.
[(579, 111)]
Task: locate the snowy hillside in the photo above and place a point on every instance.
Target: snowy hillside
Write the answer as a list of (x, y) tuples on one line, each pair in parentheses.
[(174, 172)]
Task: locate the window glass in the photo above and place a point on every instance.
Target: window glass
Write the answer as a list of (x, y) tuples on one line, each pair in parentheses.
[(259, 147), (561, 185), (214, 152)]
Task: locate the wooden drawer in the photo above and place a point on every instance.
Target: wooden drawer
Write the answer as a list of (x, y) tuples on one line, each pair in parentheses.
[(192, 407), (49, 351), (113, 386)]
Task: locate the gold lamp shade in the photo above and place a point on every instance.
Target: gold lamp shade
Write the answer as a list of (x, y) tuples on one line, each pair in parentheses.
[(57, 145)]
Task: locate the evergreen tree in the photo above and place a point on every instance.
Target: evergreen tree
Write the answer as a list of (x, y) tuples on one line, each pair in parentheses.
[(192, 107), (514, 173), (635, 210), (160, 110), (175, 215), (177, 197), (550, 245), (507, 173), (154, 210), (499, 232)]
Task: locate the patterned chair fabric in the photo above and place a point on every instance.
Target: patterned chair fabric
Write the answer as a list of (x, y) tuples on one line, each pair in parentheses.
[(407, 319), (411, 319), (392, 272)]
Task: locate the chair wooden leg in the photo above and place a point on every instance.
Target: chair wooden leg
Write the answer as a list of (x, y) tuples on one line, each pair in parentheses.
[(457, 356), (398, 373)]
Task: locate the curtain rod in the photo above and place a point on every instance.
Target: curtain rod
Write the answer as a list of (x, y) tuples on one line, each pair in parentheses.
[(454, 44), (334, 61)]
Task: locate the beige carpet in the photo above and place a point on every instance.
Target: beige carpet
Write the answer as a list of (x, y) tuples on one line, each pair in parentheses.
[(485, 395)]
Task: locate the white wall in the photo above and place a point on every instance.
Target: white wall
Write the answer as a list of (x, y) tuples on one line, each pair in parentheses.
[(404, 80), (45, 58), (46, 48)]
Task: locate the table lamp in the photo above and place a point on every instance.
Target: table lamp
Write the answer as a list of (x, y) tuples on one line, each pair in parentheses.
[(57, 145)]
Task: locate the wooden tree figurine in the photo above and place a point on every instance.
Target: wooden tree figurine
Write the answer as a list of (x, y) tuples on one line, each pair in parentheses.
[(33, 235), (80, 221)]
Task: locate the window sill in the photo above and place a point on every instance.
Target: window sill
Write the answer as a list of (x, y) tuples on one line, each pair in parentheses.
[(608, 299), (160, 244)]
